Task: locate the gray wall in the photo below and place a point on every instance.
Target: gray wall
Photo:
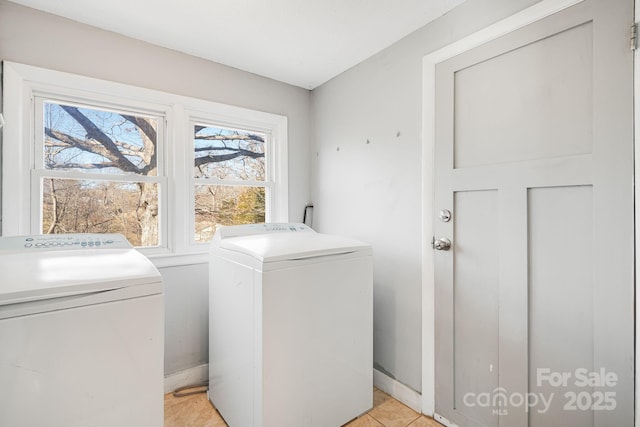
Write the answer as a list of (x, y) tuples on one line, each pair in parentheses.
[(372, 190), (35, 38), (186, 323)]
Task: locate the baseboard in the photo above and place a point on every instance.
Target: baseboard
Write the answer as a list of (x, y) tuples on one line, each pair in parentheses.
[(397, 390), (195, 375)]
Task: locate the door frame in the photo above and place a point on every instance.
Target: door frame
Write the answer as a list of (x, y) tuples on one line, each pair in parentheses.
[(521, 19)]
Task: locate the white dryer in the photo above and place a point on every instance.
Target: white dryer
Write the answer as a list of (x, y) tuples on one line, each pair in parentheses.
[(81, 333), (291, 327)]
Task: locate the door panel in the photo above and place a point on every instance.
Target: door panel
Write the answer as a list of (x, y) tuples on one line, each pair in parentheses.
[(475, 287), (534, 156), (552, 103), (561, 295)]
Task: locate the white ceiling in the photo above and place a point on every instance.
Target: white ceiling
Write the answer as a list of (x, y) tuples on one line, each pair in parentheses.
[(300, 42)]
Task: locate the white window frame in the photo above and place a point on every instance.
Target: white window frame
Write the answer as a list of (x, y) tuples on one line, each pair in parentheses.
[(23, 82), (271, 180), (38, 171)]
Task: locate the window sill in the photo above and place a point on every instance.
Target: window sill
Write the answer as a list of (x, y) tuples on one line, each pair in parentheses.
[(177, 260)]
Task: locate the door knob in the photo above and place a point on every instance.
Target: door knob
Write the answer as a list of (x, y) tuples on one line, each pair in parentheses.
[(442, 244)]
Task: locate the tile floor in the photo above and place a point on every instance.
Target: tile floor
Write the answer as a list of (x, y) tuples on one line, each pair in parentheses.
[(196, 411)]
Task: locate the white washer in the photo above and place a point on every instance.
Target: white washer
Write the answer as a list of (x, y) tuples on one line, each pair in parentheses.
[(81, 333), (291, 327)]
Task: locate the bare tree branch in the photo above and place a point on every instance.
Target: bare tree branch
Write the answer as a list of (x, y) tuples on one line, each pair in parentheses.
[(129, 146), (132, 154), (199, 161), (127, 149), (55, 142), (110, 149), (63, 140), (149, 138), (143, 124), (88, 145)]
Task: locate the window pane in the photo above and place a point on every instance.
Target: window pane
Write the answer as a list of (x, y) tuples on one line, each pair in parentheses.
[(226, 205), (228, 154), (91, 140), (83, 206)]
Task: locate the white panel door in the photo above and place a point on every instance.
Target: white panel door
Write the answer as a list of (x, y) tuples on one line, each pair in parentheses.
[(534, 159)]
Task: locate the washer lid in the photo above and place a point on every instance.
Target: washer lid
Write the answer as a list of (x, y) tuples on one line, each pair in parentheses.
[(292, 246), (30, 274)]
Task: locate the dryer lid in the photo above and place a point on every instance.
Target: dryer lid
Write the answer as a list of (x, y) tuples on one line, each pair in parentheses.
[(51, 271), (299, 243)]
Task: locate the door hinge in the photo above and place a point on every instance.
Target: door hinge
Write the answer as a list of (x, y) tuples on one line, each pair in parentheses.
[(633, 41)]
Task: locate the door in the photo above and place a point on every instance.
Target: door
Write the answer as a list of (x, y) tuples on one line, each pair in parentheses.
[(534, 162)]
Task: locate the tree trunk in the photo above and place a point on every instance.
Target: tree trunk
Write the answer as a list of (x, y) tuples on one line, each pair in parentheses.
[(54, 208), (147, 213)]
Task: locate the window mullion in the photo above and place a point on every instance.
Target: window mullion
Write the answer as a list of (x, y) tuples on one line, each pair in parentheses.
[(230, 182), (88, 176)]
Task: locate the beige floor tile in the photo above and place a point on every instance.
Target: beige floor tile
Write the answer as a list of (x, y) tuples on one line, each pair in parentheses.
[(364, 421), (190, 411), (197, 411), (379, 397), (394, 414), (424, 421)]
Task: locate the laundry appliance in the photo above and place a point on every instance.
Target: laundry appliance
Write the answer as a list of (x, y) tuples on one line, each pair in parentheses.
[(81, 333), (291, 326)]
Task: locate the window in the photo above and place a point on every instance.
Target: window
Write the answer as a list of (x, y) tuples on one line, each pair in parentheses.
[(230, 176), (163, 170), (97, 171)]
